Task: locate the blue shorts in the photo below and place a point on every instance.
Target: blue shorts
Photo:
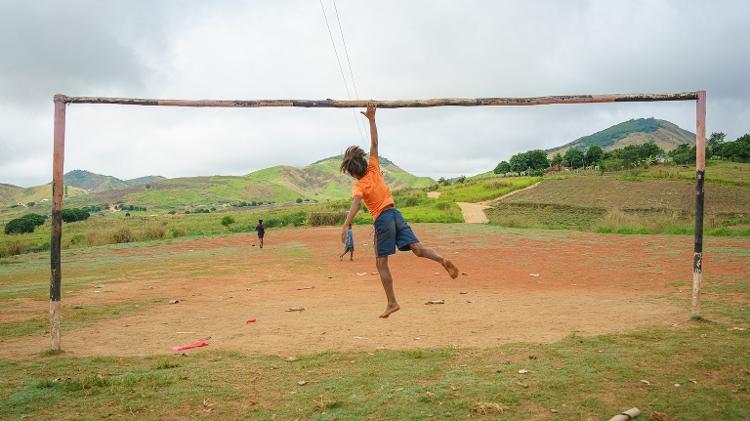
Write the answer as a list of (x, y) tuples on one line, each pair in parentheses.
[(391, 230)]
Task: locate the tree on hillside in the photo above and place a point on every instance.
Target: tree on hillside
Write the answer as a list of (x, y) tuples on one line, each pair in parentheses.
[(536, 159), (518, 162), (502, 168), (573, 158), (738, 151), (649, 150), (557, 160), (593, 155), (714, 142), (683, 154)]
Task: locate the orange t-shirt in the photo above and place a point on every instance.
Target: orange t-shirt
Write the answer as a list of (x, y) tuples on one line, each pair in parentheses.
[(373, 190)]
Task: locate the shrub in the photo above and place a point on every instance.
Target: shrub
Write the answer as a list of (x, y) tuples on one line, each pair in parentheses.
[(172, 212), (19, 226), (326, 218), (299, 200), (13, 248), (123, 235), (177, 232), (227, 221), (97, 237), (153, 232), (77, 239), (74, 214)]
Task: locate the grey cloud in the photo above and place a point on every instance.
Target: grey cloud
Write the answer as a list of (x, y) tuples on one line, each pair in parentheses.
[(418, 49)]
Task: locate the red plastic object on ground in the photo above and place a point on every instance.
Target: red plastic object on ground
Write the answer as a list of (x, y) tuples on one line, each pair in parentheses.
[(197, 344), (248, 321)]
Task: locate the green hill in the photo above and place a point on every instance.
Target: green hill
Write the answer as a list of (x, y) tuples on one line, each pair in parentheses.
[(144, 180), (93, 182), (665, 134), (318, 181)]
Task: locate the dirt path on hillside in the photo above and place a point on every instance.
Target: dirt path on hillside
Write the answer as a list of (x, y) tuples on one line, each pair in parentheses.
[(498, 199), (433, 194), (473, 212), (518, 286)]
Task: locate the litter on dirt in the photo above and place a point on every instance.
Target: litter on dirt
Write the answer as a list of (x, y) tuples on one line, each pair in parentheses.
[(248, 321), (310, 287), (361, 273), (535, 275), (434, 302), (291, 309), (174, 301), (196, 344)]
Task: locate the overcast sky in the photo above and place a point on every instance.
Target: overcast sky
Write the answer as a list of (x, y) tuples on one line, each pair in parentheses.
[(398, 50)]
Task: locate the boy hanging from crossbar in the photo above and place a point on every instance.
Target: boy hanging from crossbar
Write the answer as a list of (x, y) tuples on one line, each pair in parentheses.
[(391, 230)]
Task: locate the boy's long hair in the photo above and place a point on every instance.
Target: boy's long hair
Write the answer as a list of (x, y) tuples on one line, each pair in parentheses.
[(354, 162)]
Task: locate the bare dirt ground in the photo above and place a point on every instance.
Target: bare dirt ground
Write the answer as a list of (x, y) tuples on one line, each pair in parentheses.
[(473, 213), (433, 194), (518, 286)]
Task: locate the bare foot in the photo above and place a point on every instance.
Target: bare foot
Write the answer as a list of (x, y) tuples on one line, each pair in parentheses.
[(451, 268), (392, 308)]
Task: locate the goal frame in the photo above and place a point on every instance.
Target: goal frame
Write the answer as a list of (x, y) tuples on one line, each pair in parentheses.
[(61, 103)]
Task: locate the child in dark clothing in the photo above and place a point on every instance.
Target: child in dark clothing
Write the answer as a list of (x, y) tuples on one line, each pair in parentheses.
[(261, 229), (348, 244)]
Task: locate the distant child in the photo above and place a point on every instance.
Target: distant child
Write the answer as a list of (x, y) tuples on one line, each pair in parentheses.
[(391, 230), (261, 229), (349, 244)]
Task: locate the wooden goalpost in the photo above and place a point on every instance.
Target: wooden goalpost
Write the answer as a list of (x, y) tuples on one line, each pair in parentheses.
[(58, 156)]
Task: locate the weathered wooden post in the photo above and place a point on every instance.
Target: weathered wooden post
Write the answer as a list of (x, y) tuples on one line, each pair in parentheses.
[(700, 168), (58, 156)]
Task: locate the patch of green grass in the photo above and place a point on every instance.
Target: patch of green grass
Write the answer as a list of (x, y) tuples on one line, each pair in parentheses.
[(717, 172), (75, 317), (477, 190), (550, 216), (578, 377)]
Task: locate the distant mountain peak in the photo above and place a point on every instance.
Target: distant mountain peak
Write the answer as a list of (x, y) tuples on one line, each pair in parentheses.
[(665, 134), (94, 182)]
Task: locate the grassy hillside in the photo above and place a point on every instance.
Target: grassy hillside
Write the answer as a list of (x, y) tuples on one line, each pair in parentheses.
[(665, 134), (318, 181), (93, 182), (625, 204), (144, 180)]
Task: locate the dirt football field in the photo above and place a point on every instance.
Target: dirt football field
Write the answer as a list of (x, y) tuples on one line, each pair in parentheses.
[(515, 286)]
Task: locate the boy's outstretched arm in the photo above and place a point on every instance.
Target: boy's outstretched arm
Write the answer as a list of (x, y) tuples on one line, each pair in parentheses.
[(370, 114), (356, 200)]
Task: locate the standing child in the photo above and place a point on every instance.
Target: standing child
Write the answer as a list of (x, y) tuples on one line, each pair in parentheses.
[(261, 229), (349, 244), (391, 230)]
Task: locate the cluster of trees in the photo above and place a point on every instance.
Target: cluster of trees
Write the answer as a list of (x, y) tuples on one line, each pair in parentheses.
[(716, 148), (95, 208), (576, 158), (130, 207), (737, 150), (26, 223), (252, 203), (74, 214), (448, 182), (532, 162)]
